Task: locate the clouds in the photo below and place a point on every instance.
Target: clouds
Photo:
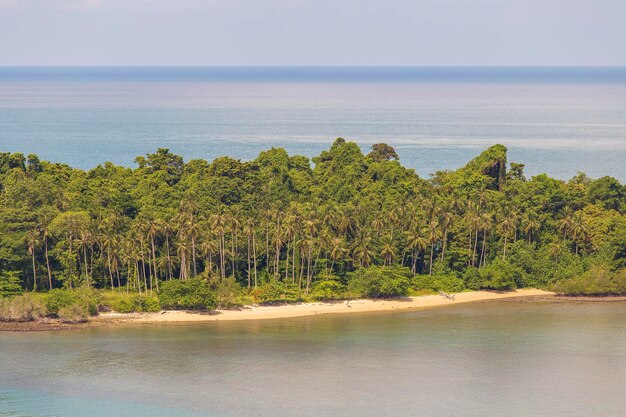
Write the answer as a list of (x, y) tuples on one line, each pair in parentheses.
[(313, 32)]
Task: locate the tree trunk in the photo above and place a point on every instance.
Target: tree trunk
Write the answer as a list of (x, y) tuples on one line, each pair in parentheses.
[(48, 265), (193, 256), (34, 271), (109, 264), (432, 249), (156, 277), (169, 260)]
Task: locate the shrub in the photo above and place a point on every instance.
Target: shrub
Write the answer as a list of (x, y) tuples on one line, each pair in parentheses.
[(597, 281), (275, 291), (328, 290), (74, 313), (58, 299), (500, 275), (472, 279), (228, 292), (380, 281), (10, 284), (131, 303), (21, 308), (190, 294), (447, 283)]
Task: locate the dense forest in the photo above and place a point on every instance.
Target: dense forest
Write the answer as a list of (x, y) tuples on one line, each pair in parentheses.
[(284, 227)]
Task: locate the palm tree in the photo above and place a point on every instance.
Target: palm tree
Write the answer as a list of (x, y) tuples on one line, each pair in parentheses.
[(249, 231), (446, 219), (166, 229), (579, 229), (564, 224), (362, 248), (337, 249), (530, 224), (218, 224), (417, 243), (433, 236), (32, 241), (388, 250), (506, 225), (153, 228), (555, 249)]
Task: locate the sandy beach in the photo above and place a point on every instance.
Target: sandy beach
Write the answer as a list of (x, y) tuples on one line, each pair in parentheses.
[(312, 309)]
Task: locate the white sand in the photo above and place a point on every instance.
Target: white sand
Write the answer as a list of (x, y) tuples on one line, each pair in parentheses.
[(311, 309)]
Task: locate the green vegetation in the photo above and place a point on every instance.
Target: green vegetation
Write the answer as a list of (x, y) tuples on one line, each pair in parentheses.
[(278, 229)]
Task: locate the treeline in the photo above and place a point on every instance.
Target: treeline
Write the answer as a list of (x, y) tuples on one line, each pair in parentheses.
[(283, 225)]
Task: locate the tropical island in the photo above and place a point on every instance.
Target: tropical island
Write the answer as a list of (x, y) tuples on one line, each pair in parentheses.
[(199, 235)]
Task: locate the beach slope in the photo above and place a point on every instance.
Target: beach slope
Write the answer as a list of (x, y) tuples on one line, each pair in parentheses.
[(312, 309)]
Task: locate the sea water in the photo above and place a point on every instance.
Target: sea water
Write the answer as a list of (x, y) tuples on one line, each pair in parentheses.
[(494, 358), (555, 120)]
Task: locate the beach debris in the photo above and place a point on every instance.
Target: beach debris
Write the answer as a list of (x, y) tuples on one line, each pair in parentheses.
[(448, 296)]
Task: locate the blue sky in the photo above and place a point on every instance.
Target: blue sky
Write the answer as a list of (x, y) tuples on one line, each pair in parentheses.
[(312, 32)]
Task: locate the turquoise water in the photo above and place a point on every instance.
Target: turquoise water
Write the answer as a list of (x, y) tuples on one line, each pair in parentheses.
[(556, 120), (485, 359)]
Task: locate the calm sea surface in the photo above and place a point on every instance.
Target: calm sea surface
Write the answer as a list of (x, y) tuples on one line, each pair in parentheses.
[(485, 359), (556, 120)]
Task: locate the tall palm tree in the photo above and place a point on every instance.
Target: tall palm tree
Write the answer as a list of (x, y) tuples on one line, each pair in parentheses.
[(166, 229), (506, 225), (530, 223), (337, 250), (362, 250), (152, 230), (32, 242), (388, 250), (417, 243), (434, 234)]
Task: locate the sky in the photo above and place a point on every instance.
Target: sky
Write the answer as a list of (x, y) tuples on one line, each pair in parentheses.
[(313, 32)]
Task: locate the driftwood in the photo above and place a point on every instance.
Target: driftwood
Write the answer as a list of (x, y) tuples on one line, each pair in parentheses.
[(448, 296)]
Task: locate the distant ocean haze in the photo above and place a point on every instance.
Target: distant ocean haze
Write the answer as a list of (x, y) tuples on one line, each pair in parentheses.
[(555, 120)]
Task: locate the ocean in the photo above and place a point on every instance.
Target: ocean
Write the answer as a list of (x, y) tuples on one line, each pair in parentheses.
[(555, 120), (514, 359)]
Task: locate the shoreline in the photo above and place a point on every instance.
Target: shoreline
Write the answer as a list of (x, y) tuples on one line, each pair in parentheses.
[(264, 312), (284, 311)]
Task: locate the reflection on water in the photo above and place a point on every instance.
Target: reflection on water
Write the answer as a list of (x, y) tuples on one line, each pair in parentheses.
[(487, 359)]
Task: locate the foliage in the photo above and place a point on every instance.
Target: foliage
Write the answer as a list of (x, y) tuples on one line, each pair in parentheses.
[(74, 313), (445, 282), (327, 290), (81, 299), (380, 281), (10, 284), (276, 291), (25, 307), (500, 275), (190, 294), (228, 292), (599, 280), (123, 302), (282, 228)]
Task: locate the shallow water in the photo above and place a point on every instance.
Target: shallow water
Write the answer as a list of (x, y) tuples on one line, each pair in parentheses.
[(558, 121), (485, 359)]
